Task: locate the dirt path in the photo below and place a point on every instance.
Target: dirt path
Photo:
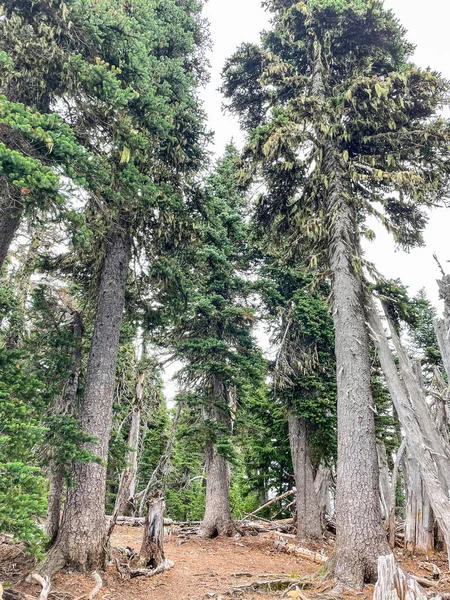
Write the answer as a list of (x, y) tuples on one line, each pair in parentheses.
[(211, 568)]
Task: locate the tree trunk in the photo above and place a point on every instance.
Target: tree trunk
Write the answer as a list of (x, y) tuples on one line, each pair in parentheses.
[(419, 519), (81, 542), (11, 211), (220, 412), (309, 524), (127, 485), (323, 487), (393, 503), (385, 482), (416, 421), (152, 549), (360, 538), (395, 584), (64, 405)]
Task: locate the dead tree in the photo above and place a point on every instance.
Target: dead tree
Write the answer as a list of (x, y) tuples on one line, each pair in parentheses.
[(424, 444), (152, 554), (127, 484)]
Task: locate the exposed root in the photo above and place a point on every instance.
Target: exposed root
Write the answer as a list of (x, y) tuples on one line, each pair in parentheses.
[(44, 582), (164, 566)]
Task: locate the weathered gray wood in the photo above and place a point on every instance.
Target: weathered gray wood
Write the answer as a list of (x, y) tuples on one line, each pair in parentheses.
[(152, 554), (309, 524), (395, 584)]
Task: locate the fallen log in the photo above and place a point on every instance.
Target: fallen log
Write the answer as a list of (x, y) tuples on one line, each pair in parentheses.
[(294, 550), (272, 585), (140, 522), (267, 504)]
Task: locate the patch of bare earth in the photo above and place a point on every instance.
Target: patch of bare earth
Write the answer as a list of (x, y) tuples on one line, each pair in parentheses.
[(215, 568)]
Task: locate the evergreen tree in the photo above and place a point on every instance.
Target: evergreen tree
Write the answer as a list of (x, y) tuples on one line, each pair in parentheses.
[(213, 338), (340, 120)]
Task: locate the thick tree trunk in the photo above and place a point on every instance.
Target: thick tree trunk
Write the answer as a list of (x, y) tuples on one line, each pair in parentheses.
[(360, 538), (395, 584), (66, 404), (419, 519), (428, 452), (127, 485), (217, 519), (309, 524), (81, 542), (11, 211)]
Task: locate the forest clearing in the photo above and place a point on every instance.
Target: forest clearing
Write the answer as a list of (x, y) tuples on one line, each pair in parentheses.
[(208, 388)]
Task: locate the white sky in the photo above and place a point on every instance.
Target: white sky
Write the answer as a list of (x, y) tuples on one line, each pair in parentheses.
[(235, 21)]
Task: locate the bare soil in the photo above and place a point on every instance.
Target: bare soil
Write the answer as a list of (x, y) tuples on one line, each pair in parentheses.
[(212, 568)]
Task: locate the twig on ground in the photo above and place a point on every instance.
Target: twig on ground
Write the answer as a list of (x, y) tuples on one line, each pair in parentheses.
[(44, 582)]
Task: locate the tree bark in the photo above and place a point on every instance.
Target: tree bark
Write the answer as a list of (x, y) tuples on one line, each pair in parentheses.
[(394, 481), (152, 549), (309, 524), (360, 538), (419, 518), (323, 487), (416, 422), (65, 405), (11, 211), (385, 482), (127, 485), (217, 519), (394, 584), (81, 542)]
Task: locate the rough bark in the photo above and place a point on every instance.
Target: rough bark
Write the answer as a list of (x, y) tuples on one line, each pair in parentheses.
[(419, 518), (360, 538), (220, 412), (66, 404), (127, 485), (11, 211), (81, 542), (323, 487), (416, 421), (309, 524), (152, 549)]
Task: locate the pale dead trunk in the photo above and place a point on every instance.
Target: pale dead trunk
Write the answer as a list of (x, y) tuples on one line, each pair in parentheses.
[(395, 584), (127, 485), (152, 554), (81, 542), (419, 519), (309, 524), (385, 482), (416, 421), (394, 481)]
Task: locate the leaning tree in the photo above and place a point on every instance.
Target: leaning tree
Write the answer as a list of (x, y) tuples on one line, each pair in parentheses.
[(343, 126)]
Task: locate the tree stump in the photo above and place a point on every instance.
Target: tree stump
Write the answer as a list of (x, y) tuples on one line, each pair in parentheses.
[(395, 584), (152, 549)]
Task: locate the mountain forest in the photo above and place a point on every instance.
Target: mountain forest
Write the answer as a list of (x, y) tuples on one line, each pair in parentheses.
[(207, 389)]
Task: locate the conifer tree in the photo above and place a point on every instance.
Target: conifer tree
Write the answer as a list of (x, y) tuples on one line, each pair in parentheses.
[(343, 126), (214, 336)]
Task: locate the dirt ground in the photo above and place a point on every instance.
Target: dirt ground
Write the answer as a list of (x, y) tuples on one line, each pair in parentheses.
[(212, 568)]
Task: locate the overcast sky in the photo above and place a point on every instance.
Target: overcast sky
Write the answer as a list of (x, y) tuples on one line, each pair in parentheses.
[(235, 21)]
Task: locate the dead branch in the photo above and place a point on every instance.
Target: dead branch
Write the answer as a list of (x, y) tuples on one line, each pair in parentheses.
[(273, 501), (273, 585)]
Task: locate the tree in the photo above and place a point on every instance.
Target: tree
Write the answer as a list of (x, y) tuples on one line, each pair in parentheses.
[(214, 336), (341, 121)]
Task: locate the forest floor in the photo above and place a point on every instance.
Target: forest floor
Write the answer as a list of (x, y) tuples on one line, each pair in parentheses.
[(214, 568)]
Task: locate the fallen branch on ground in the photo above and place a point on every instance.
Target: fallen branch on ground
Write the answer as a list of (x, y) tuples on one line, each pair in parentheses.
[(267, 504), (273, 585), (284, 546)]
